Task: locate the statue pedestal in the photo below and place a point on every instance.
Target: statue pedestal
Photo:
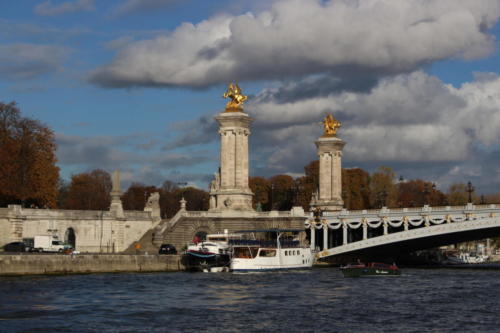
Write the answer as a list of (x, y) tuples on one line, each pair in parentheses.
[(230, 190), (329, 197)]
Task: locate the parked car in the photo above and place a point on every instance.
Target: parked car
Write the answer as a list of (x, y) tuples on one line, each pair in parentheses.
[(16, 247), (167, 249)]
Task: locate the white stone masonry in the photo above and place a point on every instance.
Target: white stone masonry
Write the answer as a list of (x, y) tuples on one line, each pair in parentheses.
[(329, 196), (230, 190)]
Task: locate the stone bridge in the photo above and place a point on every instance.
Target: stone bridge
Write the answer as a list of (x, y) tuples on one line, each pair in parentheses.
[(344, 235)]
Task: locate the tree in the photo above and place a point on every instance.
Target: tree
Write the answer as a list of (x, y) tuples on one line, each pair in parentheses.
[(417, 192), (196, 199), (28, 171), (281, 192), (457, 194), (137, 195), (260, 188), (355, 188), (62, 196), (169, 204), (89, 191), (312, 173), (383, 191)]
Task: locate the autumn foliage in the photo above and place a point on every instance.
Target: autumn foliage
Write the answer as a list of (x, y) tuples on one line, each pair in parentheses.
[(28, 171), (89, 191)]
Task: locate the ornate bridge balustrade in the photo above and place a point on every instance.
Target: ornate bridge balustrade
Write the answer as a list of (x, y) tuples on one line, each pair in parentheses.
[(346, 231)]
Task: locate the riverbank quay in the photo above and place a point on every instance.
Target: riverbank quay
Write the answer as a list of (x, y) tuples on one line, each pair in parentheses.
[(48, 264)]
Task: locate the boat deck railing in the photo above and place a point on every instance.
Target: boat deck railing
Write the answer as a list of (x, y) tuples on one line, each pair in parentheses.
[(264, 243)]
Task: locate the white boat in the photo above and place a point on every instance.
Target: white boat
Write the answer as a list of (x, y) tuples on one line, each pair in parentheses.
[(460, 258), (273, 255)]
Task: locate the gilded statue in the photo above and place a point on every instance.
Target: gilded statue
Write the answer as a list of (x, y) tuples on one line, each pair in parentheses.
[(331, 125), (236, 98)]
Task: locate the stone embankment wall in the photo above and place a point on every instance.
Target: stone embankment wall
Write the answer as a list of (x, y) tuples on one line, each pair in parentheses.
[(94, 231), (35, 264)]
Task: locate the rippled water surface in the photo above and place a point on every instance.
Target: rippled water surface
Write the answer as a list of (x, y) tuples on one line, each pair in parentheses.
[(320, 300)]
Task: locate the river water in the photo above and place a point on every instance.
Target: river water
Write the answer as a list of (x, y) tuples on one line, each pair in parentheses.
[(319, 300)]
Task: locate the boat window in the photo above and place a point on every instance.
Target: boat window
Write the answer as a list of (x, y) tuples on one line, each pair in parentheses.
[(217, 239), (242, 252), (298, 252), (267, 253), (286, 253), (293, 252)]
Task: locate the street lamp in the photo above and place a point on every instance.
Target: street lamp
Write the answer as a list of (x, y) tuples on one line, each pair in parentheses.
[(297, 190), (382, 197), (272, 197), (469, 190), (317, 212)]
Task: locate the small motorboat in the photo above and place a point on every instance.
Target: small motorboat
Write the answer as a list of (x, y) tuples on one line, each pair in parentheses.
[(370, 269), (210, 255)]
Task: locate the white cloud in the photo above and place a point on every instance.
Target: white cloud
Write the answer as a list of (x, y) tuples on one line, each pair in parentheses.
[(26, 61), (48, 9), (296, 38), (411, 117)]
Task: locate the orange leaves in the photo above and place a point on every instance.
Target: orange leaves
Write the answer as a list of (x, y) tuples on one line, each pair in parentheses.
[(28, 174)]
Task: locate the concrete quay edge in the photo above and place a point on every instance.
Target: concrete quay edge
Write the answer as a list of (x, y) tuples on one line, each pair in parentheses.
[(43, 264)]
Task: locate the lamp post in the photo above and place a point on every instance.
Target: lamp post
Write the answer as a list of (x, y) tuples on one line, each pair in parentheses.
[(470, 189), (271, 204), (382, 197), (427, 192), (297, 189)]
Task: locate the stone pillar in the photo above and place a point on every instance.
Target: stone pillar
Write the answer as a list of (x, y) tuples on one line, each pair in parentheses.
[(230, 187), (183, 204), (344, 235), (325, 236), (313, 235), (365, 230), (116, 203), (329, 196)]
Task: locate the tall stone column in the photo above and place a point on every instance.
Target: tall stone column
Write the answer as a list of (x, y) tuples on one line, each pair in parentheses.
[(229, 190), (329, 196), (116, 203)]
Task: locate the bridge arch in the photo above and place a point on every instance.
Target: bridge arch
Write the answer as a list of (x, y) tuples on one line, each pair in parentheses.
[(392, 231)]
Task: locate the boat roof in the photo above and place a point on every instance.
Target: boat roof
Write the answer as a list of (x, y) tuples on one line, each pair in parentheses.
[(270, 230)]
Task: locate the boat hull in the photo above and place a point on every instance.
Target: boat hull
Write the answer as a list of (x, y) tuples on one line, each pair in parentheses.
[(200, 262), (369, 271)]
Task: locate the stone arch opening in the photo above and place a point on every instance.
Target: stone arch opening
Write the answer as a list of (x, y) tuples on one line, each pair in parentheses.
[(70, 237)]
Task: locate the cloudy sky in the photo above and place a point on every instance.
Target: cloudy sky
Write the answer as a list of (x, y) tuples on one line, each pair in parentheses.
[(134, 84)]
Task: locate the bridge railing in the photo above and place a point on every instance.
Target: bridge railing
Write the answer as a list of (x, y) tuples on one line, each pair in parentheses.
[(394, 220)]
